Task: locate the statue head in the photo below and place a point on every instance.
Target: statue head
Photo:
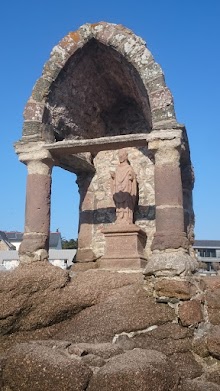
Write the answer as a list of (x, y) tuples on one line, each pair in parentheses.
[(122, 155)]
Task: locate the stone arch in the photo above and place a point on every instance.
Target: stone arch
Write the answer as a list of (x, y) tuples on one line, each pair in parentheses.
[(126, 45), (98, 93), (124, 95)]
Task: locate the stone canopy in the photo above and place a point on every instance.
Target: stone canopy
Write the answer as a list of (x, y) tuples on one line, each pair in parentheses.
[(100, 91)]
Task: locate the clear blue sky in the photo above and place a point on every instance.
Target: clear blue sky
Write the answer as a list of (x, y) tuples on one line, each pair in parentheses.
[(184, 38)]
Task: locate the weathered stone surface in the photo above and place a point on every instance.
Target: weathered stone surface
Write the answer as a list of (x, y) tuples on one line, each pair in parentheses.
[(187, 366), (136, 370), (199, 346), (137, 79), (124, 246), (212, 297), (163, 114), (92, 360), (169, 239), (41, 89), (161, 98), (36, 367), (214, 316), (137, 100), (124, 93), (214, 376), (126, 309), (1, 380), (32, 129), (168, 177), (179, 289), (101, 185), (190, 312), (23, 293), (168, 338), (170, 220), (85, 255), (104, 350), (167, 346), (95, 306), (171, 330), (170, 264), (38, 203), (93, 286), (213, 341), (211, 283), (38, 295), (198, 385), (83, 266), (33, 111)]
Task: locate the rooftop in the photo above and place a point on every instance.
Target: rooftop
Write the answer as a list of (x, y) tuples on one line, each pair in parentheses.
[(15, 236), (207, 243)]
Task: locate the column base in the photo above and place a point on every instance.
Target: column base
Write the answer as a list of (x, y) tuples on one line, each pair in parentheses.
[(34, 247), (169, 240), (170, 263), (124, 246), (38, 255), (85, 255)]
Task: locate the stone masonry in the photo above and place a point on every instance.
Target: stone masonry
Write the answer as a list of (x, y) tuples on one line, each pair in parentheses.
[(100, 91)]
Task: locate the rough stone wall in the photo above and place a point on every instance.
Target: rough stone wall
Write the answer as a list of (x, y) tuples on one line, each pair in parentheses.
[(98, 93), (104, 208), (195, 300)]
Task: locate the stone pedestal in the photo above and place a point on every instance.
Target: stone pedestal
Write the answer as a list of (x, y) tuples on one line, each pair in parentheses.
[(124, 246)]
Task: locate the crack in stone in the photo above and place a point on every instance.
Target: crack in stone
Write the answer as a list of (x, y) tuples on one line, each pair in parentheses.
[(132, 334)]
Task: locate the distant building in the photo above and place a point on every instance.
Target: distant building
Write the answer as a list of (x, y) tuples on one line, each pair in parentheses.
[(5, 243), (12, 240), (15, 238), (208, 252)]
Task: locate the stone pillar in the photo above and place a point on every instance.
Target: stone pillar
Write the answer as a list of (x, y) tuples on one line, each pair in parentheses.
[(170, 245), (35, 243), (168, 198), (187, 175)]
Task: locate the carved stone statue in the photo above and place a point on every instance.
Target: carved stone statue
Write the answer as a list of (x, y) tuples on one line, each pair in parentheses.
[(124, 189)]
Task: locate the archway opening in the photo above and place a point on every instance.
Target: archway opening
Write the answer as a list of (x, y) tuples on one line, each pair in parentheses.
[(64, 204), (98, 93)]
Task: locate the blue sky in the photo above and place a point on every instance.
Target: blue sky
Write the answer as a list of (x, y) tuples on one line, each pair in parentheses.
[(183, 37)]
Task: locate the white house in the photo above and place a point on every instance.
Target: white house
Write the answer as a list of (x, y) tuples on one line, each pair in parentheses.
[(15, 239), (10, 244)]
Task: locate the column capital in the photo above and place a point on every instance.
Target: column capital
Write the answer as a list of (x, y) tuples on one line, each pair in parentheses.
[(164, 139), (166, 146), (36, 156), (165, 134)]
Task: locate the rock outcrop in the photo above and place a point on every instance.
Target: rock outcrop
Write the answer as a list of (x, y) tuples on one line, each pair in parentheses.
[(105, 330)]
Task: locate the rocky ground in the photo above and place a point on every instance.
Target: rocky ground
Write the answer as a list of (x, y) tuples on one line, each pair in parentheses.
[(102, 330)]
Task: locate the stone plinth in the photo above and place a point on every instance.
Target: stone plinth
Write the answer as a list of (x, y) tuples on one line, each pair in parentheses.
[(124, 246)]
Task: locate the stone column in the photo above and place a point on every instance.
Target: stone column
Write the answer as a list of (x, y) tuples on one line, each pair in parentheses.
[(168, 198), (35, 243), (170, 245), (187, 174)]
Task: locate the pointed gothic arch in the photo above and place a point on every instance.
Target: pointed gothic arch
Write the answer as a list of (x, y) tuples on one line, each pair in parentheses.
[(100, 90)]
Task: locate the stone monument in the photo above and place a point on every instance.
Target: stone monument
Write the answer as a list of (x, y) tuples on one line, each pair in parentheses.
[(100, 91), (124, 189), (124, 241)]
